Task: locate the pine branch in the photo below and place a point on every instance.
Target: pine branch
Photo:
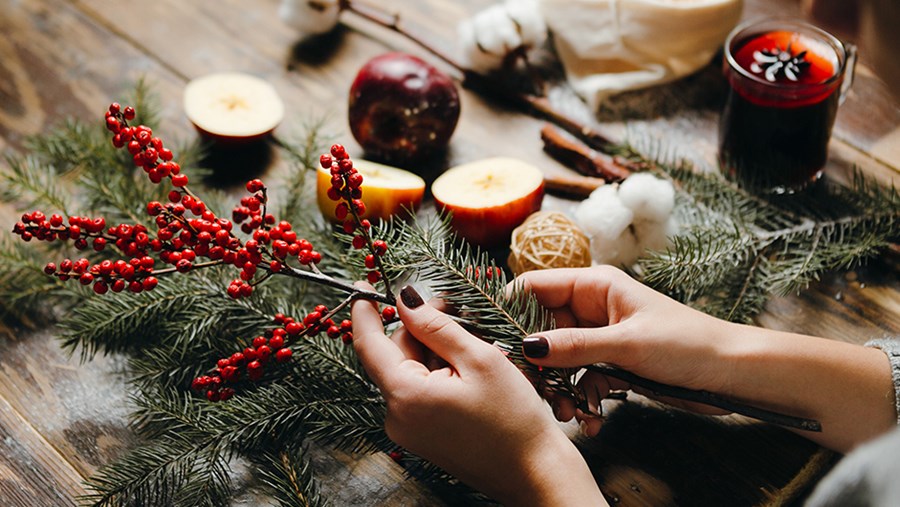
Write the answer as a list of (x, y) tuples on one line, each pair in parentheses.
[(471, 284), (288, 474), (736, 248), (70, 146), (151, 474), (26, 293), (32, 183)]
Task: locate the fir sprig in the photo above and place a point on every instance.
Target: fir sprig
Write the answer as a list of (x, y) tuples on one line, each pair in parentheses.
[(737, 248), (289, 476), (477, 291)]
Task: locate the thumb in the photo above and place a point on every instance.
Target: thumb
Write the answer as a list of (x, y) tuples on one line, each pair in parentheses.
[(575, 346), (437, 331)]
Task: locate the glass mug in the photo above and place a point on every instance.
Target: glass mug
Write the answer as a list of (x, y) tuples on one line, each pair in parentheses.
[(786, 79)]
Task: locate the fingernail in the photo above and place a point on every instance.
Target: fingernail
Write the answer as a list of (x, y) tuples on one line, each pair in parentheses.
[(535, 346), (410, 297)]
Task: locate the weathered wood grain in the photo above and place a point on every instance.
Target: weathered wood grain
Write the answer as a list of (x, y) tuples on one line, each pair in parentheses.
[(81, 410), (55, 62), (32, 471)]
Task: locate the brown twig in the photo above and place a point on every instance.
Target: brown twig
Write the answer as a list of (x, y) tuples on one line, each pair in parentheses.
[(572, 186), (579, 157), (707, 398)]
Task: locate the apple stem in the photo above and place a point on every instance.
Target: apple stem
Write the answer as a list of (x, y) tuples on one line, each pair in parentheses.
[(537, 105)]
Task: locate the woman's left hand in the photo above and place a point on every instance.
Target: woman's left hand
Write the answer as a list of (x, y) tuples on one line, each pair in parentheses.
[(461, 404)]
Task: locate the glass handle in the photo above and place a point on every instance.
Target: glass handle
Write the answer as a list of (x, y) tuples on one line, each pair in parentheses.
[(849, 71)]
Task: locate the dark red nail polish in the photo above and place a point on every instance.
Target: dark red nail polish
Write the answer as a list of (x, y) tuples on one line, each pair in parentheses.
[(410, 297), (535, 346)]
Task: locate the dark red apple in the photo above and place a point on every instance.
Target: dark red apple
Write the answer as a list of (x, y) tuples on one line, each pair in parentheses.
[(402, 109)]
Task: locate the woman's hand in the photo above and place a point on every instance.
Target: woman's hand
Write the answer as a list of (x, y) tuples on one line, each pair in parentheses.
[(604, 316), (472, 412)]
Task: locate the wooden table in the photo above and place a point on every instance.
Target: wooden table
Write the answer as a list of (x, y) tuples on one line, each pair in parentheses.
[(60, 420)]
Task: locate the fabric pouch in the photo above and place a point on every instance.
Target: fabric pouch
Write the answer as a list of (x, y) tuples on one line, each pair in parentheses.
[(611, 46)]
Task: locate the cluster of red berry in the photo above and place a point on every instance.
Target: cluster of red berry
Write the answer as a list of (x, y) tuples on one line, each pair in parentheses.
[(345, 188), (188, 230), (147, 151), (254, 358), (135, 274)]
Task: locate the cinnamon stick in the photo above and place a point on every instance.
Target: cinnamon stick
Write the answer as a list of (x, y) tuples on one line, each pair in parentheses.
[(572, 186), (573, 154)]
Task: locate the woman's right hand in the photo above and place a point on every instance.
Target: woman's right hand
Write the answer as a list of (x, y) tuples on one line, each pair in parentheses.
[(605, 316)]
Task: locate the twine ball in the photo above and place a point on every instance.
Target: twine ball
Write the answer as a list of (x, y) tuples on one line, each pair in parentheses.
[(548, 239)]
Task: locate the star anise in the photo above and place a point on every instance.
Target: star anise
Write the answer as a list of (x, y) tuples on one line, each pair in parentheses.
[(774, 62)]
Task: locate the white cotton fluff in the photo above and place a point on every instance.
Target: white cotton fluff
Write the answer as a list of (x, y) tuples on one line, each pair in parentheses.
[(526, 14), (605, 220), (475, 57), (654, 235), (650, 198), (603, 214), (310, 17), (623, 221), (622, 250), (493, 33)]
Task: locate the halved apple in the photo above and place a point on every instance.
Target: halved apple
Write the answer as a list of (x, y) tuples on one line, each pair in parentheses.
[(233, 107), (489, 198), (386, 190)]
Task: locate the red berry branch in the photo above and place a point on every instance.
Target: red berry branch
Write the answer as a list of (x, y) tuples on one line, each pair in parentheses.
[(190, 236)]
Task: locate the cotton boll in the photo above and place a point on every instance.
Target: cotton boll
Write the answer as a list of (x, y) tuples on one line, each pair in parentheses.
[(475, 57), (496, 32), (649, 197), (654, 235), (603, 214), (622, 250), (527, 16), (487, 38), (310, 17)]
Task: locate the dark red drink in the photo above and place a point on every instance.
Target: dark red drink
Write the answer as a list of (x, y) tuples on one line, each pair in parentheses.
[(785, 84)]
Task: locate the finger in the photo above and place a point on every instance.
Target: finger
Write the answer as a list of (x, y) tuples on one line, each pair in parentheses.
[(377, 353), (590, 424), (563, 407), (556, 288), (577, 346), (592, 296), (411, 348), (438, 332), (595, 388)]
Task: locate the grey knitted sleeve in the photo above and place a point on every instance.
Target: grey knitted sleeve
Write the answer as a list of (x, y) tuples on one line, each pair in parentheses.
[(892, 349)]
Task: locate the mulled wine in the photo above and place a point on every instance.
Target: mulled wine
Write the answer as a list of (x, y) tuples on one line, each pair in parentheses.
[(785, 82)]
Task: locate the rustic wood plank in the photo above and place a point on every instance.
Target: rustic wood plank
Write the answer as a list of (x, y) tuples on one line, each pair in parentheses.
[(55, 63), (81, 410), (32, 471)]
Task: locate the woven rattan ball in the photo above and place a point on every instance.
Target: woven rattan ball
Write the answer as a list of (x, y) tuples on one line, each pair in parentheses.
[(548, 239)]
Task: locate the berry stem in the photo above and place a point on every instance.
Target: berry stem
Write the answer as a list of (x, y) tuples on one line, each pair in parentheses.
[(390, 21), (173, 269), (355, 292)]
